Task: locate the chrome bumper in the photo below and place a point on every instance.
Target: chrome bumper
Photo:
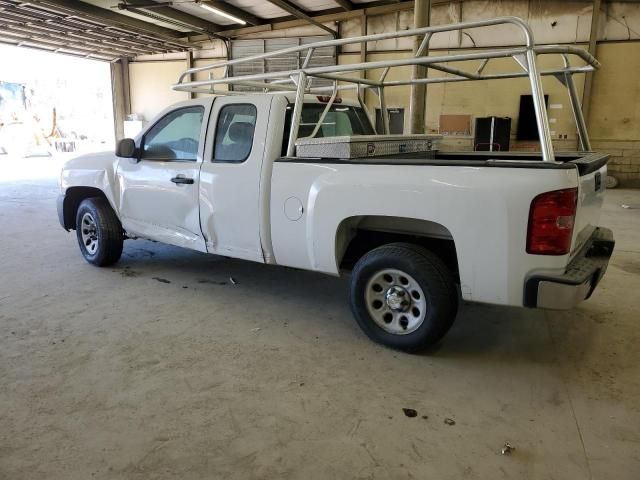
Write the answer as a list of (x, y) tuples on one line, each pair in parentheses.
[(580, 279)]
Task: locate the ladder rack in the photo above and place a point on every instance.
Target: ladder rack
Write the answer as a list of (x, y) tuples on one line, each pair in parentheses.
[(299, 81)]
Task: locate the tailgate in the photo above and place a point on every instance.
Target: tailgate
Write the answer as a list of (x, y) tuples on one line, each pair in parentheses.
[(592, 171)]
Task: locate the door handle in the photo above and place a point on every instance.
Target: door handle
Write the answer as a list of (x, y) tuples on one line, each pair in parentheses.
[(182, 180)]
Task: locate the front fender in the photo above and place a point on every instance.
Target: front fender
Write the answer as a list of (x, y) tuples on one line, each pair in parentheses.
[(95, 170)]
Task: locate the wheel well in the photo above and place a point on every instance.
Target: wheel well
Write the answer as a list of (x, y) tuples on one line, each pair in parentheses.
[(72, 199), (361, 235)]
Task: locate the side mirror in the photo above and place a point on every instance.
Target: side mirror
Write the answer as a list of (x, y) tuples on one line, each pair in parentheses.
[(126, 148)]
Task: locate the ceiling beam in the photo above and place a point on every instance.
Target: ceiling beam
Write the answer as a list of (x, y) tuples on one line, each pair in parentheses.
[(320, 18), (20, 37), (63, 27), (178, 16), (296, 12), (235, 11), (63, 30), (109, 16), (57, 22), (345, 4), (125, 47), (53, 49)]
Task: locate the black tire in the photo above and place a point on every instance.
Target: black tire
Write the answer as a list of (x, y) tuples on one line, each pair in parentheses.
[(439, 293), (106, 230)]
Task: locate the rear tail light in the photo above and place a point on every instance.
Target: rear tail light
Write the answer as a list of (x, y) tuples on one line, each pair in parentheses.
[(551, 220)]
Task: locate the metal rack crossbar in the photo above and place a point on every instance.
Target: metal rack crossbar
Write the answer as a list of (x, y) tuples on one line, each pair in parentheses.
[(300, 81)]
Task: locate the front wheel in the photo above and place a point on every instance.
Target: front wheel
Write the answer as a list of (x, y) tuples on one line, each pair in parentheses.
[(403, 296), (99, 232)]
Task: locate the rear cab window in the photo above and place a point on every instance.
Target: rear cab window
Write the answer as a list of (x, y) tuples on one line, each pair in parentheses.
[(340, 120), (234, 133)]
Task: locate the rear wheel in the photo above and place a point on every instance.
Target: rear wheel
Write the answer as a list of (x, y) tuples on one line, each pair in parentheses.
[(403, 296), (99, 232)]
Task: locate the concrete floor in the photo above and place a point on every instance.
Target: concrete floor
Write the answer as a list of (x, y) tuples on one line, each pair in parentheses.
[(161, 368)]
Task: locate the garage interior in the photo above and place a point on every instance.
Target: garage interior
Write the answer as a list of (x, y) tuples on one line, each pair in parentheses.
[(178, 364)]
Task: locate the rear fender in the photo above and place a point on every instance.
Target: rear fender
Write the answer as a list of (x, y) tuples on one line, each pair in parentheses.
[(484, 211)]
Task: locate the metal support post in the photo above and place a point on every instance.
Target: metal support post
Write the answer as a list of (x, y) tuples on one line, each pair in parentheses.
[(297, 114), (417, 102), (542, 120)]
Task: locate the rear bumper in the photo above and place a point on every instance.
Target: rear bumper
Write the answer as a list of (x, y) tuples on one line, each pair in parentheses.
[(580, 279)]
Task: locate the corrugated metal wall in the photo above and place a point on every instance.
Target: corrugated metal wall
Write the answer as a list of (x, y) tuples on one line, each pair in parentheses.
[(246, 48)]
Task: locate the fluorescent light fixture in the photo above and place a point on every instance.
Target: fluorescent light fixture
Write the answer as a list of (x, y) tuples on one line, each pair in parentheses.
[(222, 14)]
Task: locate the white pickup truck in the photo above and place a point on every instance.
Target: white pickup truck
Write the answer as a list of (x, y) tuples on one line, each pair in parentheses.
[(415, 230)]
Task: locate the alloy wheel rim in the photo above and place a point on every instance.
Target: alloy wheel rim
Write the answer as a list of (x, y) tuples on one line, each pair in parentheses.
[(89, 233), (395, 301)]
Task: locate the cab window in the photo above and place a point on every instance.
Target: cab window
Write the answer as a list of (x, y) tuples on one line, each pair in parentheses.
[(234, 133), (176, 136)]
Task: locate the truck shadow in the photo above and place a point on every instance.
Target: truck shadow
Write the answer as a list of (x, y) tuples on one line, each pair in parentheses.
[(512, 334)]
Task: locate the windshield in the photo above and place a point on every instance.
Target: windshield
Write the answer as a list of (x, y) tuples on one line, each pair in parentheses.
[(339, 120)]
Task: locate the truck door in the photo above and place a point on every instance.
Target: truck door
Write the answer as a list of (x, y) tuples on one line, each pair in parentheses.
[(159, 192), (230, 176)]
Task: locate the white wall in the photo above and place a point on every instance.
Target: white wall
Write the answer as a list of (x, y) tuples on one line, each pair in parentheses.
[(150, 86)]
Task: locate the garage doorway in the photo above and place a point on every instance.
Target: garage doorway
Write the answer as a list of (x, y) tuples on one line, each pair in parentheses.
[(52, 107)]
